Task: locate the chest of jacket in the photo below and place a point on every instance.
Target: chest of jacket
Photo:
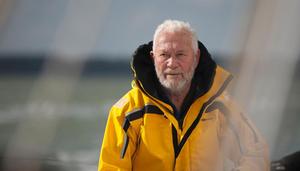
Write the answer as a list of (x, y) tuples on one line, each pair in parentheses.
[(162, 144)]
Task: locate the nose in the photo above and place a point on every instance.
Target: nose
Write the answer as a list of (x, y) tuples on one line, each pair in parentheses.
[(172, 62)]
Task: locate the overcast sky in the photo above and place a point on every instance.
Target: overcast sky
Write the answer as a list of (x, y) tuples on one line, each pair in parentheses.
[(116, 27)]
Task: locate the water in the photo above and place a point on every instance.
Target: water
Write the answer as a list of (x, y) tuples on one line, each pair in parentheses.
[(46, 133)]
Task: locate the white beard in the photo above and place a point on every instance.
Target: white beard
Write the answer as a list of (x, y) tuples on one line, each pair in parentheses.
[(176, 86)]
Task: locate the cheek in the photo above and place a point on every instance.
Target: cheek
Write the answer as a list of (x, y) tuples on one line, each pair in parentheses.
[(160, 65), (188, 66)]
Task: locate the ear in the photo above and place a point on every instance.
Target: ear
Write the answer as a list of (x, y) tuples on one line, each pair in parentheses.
[(198, 55), (152, 55)]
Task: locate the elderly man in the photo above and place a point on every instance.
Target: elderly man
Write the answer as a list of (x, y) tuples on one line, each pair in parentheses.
[(178, 116)]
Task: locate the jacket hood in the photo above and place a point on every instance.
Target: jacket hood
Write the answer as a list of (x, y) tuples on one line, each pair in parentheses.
[(144, 71)]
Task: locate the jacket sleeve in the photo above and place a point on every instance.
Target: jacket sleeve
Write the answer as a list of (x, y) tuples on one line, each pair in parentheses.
[(119, 143), (241, 141)]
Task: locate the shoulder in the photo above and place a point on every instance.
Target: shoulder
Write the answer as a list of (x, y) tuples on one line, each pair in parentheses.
[(226, 104), (132, 100)]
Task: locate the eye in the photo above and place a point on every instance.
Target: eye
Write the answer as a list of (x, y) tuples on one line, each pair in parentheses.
[(179, 55), (164, 55)]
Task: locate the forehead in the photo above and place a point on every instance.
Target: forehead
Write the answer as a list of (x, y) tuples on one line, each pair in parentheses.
[(178, 40)]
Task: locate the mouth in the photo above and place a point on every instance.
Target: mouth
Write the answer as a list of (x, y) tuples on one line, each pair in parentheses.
[(172, 75)]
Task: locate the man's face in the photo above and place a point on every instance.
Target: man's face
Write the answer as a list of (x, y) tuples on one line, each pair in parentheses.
[(174, 60)]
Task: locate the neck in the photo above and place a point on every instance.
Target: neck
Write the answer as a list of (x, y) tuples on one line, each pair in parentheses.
[(178, 97)]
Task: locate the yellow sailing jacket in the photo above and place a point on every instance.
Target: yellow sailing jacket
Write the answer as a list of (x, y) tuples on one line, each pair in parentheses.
[(142, 133)]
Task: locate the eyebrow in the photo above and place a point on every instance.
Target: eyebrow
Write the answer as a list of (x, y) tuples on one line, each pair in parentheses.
[(162, 50), (180, 51)]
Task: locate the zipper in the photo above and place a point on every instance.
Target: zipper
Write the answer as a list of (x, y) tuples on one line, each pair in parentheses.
[(154, 99)]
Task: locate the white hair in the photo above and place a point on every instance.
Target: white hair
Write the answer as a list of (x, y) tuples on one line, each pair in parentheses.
[(176, 26)]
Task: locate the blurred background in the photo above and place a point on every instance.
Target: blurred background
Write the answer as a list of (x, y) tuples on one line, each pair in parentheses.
[(63, 63)]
